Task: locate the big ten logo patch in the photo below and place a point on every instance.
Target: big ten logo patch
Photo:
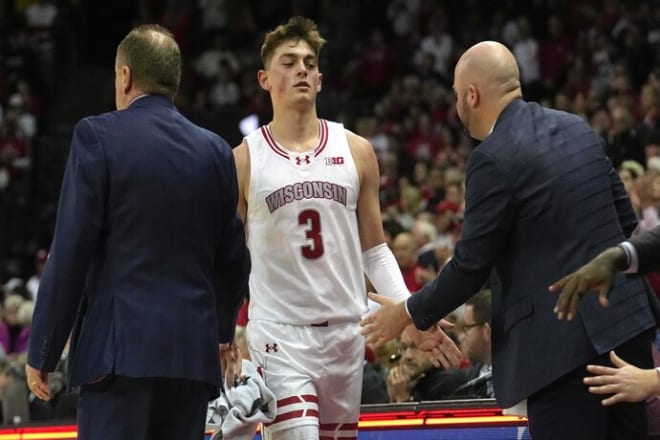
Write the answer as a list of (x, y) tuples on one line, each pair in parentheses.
[(337, 160)]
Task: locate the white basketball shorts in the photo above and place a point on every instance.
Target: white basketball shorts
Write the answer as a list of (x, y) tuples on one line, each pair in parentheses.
[(315, 373)]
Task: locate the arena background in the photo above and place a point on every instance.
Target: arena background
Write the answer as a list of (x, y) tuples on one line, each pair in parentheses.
[(387, 75)]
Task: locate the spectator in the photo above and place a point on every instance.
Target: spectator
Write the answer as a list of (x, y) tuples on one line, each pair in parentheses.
[(415, 379), (13, 336), (475, 339), (404, 248)]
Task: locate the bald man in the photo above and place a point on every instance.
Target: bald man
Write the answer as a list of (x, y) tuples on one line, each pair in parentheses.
[(541, 199)]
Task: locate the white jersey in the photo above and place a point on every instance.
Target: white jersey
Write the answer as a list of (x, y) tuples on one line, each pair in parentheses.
[(303, 232)]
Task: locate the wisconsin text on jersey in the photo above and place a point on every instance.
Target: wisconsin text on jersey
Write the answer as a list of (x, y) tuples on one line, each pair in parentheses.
[(306, 190)]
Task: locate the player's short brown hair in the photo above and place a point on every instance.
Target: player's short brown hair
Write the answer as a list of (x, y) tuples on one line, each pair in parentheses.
[(297, 28)]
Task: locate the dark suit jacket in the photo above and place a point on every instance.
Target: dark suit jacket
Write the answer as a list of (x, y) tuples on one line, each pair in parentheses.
[(647, 245), (541, 200), (148, 250)]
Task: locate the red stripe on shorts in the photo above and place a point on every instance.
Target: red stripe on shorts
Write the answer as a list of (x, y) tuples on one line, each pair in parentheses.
[(348, 426), (338, 426), (297, 399), (287, 416)]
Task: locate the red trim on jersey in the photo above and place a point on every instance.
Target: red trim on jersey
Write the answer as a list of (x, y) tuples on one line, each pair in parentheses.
[(265, 132), (323, 137)]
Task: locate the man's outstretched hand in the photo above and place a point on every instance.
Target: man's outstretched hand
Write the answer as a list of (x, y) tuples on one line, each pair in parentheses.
[(391, 319), (598, 274)]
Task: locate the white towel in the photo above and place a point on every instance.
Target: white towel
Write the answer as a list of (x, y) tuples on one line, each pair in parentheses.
[(237, 412)]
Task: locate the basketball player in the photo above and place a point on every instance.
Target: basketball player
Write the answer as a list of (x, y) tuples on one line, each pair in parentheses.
[(308, 192)]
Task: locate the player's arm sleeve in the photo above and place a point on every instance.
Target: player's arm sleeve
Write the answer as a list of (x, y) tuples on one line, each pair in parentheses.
[(381, 268)]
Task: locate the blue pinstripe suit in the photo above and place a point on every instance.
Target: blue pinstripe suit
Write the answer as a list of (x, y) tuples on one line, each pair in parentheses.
[(541, 200)]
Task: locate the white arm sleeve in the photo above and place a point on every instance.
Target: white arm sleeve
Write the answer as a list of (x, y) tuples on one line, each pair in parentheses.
[(383, 271)]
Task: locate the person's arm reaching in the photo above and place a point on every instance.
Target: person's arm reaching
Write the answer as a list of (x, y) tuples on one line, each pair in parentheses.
[(379, 263), (598, 274)]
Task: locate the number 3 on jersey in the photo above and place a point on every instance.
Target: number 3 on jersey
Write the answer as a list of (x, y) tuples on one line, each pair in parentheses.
[(312, 220)]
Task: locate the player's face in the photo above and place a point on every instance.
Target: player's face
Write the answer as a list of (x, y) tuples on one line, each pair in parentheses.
[(293, 74)]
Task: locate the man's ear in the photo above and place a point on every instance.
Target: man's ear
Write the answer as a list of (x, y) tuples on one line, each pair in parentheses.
[(262, 78), (488, 329), (126, 79), (320, 84), (473, 97)]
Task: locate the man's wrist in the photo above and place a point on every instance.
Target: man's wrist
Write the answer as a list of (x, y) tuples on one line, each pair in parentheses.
[(632, 259), (405, 306), (621, 257)]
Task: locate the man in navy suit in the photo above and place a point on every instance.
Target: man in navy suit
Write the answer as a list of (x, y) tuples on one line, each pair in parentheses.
[(541, 198), (148, 259)]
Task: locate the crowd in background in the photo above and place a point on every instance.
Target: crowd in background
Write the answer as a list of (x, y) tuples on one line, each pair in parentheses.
[(387, 75)]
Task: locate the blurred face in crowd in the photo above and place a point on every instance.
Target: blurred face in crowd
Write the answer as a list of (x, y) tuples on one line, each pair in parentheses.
[(475, 337), (404, 248), (627, 179), (655, 188), (651, 150), (411, 356)]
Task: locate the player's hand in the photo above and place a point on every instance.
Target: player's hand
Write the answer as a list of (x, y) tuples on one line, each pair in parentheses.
[(231, 363), (598, 274), (436, 344), (625, 383), (387, 322), (37, 382)]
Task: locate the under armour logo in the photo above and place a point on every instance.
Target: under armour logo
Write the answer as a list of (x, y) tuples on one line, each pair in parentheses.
[(271, 347), (303, 159)]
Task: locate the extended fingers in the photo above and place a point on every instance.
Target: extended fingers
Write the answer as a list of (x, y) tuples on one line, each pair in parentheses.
[(440, 358), (443, 323), (600, 371), (605, 389), (568, 290)]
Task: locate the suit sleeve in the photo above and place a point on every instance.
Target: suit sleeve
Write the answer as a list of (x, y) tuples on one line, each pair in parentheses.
[(647, 245), (80, 217), (232, 259), (488, 217)]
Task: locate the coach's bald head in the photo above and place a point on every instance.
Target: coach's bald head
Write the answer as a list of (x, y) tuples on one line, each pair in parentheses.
[(486, 79)]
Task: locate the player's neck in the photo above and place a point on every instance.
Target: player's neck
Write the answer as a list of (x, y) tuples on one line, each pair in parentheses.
[(296, 131)]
